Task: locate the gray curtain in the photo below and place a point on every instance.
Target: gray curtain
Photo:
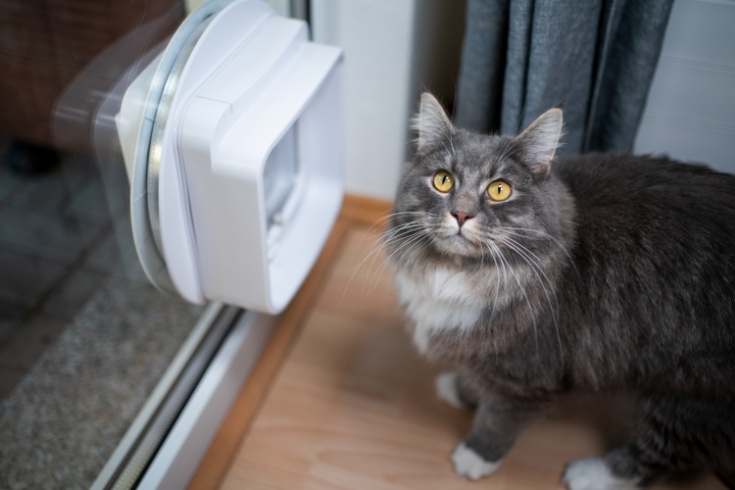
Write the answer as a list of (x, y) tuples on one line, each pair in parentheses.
[(596, 57)]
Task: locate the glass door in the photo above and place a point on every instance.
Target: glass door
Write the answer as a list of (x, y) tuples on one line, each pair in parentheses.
[(108, 378), (84, 338)]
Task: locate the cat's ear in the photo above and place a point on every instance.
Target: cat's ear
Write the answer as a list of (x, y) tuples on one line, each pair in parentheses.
[(431, 123), (539, 141)]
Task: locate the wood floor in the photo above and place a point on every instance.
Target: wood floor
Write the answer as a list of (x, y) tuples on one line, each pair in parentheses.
[(341, 400)]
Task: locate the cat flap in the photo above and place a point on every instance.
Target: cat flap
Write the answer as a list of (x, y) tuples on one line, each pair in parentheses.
[(539, 141)]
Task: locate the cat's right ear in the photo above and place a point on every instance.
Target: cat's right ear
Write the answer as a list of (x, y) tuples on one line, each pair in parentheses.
[(431, 123), (539, 142)]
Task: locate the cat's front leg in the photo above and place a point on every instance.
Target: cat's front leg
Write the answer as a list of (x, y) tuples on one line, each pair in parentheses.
[(495, 427), (470, 464)]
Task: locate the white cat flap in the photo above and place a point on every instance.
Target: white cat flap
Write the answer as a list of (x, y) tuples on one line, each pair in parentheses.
[(232, 138)]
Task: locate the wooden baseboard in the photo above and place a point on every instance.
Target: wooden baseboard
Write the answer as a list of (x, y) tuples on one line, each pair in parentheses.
[(356, 210)]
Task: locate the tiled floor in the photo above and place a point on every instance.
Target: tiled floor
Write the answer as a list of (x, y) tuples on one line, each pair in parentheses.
[(56, 249)]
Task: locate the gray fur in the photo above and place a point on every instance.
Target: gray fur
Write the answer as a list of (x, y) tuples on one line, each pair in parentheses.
[(610, 271)]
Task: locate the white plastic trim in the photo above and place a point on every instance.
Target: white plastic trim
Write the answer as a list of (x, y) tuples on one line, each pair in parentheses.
[(188, 440)]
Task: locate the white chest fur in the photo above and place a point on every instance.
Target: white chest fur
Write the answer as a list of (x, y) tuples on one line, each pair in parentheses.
[(438, 300)]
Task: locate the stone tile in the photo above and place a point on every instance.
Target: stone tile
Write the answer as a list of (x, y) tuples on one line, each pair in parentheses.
[(25, 278), (116, 187), (9, 182), (77, 169), (47, 235), (105, 255), (30, 341), (10, 317), (65, 191), (9, 379), (47, 192), (115, 255), (70, 296), (90, 203)]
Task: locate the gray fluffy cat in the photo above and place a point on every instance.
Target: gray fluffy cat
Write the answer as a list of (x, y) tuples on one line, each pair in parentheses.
[(603, 271)]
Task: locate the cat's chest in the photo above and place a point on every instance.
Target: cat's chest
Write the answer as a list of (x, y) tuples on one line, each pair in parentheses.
[(438, 300)]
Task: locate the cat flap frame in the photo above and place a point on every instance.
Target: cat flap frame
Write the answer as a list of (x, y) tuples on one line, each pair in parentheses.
[(256, 111)]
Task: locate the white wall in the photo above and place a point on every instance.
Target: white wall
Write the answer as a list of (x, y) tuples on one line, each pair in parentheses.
[(283, 7), (377, 37), (690, 112), (393, 49)]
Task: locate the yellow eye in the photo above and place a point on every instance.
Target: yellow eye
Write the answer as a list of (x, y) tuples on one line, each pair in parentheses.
[(443, 181), (498, 190)]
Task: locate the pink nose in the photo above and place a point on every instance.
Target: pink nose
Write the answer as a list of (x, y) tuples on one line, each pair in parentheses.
[(461, 218)]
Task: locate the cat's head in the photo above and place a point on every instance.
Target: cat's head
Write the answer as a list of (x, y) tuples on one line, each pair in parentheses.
[(472, 195)]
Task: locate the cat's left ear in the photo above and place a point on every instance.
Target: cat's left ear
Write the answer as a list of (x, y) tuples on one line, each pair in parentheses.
[(538, 143), (431, 123)]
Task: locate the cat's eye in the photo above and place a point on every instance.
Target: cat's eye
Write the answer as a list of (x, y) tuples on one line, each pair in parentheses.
[(443, 181), (498, 190)]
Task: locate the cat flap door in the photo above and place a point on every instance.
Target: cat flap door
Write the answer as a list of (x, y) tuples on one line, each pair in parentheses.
[(232, 139)]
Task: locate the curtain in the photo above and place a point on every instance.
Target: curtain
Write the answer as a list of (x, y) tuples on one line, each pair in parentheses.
[(594, 57)]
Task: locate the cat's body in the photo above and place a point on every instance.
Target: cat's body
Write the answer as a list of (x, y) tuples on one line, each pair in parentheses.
[(601, 271)]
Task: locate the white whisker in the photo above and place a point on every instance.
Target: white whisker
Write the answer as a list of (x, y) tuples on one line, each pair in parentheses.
[(528, 256), (539, 235), (398, 233), (522, 289), (407, 243)]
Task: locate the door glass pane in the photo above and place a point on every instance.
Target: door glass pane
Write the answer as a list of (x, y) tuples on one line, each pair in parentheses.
[(84, 338)]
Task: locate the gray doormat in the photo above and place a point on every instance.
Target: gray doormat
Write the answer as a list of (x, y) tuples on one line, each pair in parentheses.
[(64, 419)]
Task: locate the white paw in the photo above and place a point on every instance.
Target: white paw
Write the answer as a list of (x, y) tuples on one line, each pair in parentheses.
[(470, 465), (447, 389), (593, 474)]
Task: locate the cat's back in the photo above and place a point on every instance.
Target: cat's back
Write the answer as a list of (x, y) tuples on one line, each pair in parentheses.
[(643, 198), (655, 262), (622, 180)]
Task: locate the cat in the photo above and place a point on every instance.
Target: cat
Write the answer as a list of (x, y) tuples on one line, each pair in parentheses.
[(536, 277)]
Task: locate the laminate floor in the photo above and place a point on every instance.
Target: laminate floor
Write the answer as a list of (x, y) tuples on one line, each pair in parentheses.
[(353, 406)]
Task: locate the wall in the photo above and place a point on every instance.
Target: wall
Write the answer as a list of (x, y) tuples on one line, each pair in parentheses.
[(393, 50), (283, 7), (690, 112)]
